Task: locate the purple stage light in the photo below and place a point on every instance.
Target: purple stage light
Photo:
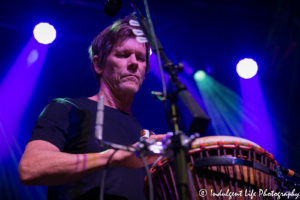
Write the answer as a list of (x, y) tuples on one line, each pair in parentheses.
[(246, 68), (155, 69), (258, 127), (44, 33), (16, 90), (187, 69)]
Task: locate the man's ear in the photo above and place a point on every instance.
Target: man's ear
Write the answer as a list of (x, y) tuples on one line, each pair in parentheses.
[(96, 64)]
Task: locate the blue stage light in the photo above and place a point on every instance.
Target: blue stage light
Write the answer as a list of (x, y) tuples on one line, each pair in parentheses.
[(247, 68), (199, 75), (44, 33)]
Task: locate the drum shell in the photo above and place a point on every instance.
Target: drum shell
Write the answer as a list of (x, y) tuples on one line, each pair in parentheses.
[(217, 179)]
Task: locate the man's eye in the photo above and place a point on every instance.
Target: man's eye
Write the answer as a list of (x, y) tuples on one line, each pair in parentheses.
[(122, 55), (142, 59)]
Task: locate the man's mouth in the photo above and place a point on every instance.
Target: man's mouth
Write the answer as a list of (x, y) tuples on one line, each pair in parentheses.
[(131, 77)]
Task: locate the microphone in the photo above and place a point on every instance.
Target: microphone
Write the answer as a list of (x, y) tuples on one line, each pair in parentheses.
[(99, 119), (288, 172), (112, 7)]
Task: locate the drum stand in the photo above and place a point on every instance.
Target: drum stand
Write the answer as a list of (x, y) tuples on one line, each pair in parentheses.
[(176, 149)]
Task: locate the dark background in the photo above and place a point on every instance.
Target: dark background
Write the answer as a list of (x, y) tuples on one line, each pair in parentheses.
[(201, 33)]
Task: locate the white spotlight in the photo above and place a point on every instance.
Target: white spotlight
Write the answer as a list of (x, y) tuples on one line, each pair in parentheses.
[(246, 68), (44, 33)]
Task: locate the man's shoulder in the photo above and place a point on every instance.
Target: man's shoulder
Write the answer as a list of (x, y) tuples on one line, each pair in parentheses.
[(64, 101), (69, 103), (74, 102)]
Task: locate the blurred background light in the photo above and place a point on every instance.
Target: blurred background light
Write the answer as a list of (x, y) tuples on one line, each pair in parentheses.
[(44, 33), (16, 91), (32, 57), (247, 68), (199, 75), (187, 68)]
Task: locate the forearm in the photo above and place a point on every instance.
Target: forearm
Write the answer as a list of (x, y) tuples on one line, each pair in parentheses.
[(42, 167), (43, 164)]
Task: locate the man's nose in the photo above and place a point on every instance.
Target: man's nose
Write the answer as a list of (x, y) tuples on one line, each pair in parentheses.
[(132, 63)]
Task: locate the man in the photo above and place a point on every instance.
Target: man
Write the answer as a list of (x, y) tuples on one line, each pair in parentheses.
[(62, 152)]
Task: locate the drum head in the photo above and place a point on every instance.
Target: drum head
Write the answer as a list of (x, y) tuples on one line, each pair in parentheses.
[(215, 139)]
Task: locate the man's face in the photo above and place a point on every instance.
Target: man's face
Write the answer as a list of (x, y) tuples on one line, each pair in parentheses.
[(125, 67)]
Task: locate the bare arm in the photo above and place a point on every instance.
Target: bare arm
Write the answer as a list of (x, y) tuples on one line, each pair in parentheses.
[(43, 164)]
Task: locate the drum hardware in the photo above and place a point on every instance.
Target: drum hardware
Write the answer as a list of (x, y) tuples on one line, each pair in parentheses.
[(229, 161)]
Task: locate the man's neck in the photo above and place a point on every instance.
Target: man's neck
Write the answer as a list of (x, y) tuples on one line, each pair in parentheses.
[(119, 102)]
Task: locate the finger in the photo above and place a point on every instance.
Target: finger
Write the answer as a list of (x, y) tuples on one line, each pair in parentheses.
[(157, 137), (135, 144)]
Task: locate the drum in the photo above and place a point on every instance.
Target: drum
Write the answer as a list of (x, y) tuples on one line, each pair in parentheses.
[(219, 167)]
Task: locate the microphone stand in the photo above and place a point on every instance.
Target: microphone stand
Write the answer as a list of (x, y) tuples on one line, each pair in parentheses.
[(200, 121)]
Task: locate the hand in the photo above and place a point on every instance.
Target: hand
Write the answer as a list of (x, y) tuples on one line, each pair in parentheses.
[(126, 159)]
